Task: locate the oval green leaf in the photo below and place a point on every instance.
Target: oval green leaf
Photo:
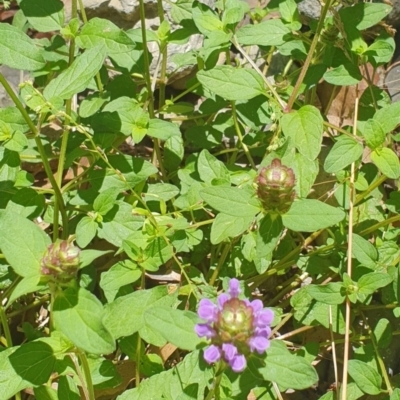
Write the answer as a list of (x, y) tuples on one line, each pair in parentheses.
[(308, 215)]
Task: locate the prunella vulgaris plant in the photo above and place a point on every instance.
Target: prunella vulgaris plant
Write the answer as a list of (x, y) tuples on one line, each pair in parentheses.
[(235, 327)]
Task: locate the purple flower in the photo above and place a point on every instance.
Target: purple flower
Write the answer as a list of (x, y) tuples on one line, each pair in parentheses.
[(236, 327), (212, 354)]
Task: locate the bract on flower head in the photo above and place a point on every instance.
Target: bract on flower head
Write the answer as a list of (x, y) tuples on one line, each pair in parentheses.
[(235, 327), (275, 187)]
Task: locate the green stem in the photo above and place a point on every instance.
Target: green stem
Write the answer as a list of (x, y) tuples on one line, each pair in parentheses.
[(254, 66), (240, 136), (371, 187), (221, 261), (6, 328), (381, 363), (379, 225), (88, 376), (137, 367), (310, 55), (65, 137), (40, 148), (214, 391)]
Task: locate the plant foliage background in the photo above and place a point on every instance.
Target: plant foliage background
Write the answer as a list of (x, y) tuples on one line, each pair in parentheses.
[(162, 193)]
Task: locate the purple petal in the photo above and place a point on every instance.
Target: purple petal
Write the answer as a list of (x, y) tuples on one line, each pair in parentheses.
[(204, 330), (230, 351), (222, 299), (212, 354), (234, 288), (238, 364), (259, 343), (264, 332), (207, 310), (257, 305), (264, 317)]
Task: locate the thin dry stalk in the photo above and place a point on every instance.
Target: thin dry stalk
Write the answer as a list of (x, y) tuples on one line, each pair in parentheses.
[(349, 260)]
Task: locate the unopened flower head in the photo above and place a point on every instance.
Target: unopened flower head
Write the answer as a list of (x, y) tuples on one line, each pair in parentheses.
[(275, 187), (235, 327), (61, 261)]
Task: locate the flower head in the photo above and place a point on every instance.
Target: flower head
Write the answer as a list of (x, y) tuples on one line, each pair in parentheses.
[(60, 261), (275, 187), (235, 327)]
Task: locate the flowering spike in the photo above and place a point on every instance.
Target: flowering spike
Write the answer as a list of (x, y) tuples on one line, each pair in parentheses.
[(61, 261), (236, 327), (275, 187)]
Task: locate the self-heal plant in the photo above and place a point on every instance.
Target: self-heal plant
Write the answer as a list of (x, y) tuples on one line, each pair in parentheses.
[(236, 327)]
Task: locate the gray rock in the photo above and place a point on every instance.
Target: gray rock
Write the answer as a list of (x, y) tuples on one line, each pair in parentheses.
[(312, 9), (14, 77), (126, 15)]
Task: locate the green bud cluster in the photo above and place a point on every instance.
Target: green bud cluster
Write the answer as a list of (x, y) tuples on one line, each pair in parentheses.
[(275, 187)]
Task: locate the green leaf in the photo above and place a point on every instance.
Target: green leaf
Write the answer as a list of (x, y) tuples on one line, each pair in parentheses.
[(364, 15), (210, 168), (102, 32), (161, 192), (387, 162), (226, 226), (232, 200), (369, 283), (10, 381), (119, 223), (266, 33), (232, 83), (395, 395), (345, 151), (366, 377), (388, 117), (18, 51), (85, 231), (78, 315), (176, 326), (120, 274), (125, 315), (305, 171), (67, 388), (34, 362), (17, 142), (45, 393), (205, 18), (364, 251), (381, 51), (92, 103), (305, 128), (44, 15), (27, 285), (283, 368), (383, 333), (23, 252), (27, 202), (157, 253), (185, 381), (267, 239), (373, 133), (105, 201), (332, 293), (343, 75), (309, 215), (163, 130), (77, 76)]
